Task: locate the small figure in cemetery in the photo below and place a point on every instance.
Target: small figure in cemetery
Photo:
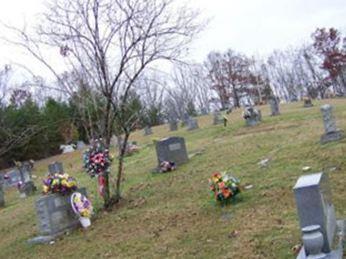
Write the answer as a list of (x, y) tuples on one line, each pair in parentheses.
[(274, 102), (147, 131), (332, 133), (167, 166), (97, 162), (252, 116), (322, 234), (307, 102), (225, 187)]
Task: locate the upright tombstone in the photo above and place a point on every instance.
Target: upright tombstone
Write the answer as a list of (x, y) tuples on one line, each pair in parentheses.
[(192, 124), (147, 131), (55, 214), (252, 116), (274, 105), (317, 217), (26, 186), (172, 149), (332, 133), (173, 125), (55, 168), (204, 111), (217, 118), (80, 145), (307, 102), (186, 119), (2, 195)]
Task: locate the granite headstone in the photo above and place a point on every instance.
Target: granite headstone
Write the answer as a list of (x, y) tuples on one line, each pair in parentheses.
[(274, 106), (332, 133), (315, 208), (217, 118), (192, 124), (147, 131), (55, 168), (172, 149)]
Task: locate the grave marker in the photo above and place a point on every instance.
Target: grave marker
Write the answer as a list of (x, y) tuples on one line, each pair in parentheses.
[(332, 133), (316, 216), (172, 149), (274, 105), (192, 124), (147, 131)]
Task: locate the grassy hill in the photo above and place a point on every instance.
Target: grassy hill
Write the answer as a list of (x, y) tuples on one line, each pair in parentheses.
[(173, 215)]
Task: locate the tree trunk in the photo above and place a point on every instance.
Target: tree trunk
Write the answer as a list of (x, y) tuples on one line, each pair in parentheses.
[(121, 167)]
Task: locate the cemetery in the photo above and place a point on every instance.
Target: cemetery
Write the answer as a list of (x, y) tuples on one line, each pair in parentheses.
[(179, 218), (172, 129)]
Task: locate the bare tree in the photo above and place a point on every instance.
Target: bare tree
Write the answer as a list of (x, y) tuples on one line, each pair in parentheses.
[(111, 42)]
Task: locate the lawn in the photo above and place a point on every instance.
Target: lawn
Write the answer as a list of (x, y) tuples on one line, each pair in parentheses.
[(173, 215)]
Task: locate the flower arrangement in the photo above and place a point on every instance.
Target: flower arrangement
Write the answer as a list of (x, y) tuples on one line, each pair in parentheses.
[(81, 205), (167, 166), (250, 112), (224, 186), (97, 159), (59, 183)]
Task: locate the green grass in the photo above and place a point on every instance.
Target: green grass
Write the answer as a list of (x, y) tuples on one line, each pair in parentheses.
[(173, 215)]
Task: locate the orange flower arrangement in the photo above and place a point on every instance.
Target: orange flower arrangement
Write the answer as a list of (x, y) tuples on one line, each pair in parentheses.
[(224, 186)]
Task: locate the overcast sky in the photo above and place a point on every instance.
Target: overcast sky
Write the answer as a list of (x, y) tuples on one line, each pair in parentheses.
[(250, 26)]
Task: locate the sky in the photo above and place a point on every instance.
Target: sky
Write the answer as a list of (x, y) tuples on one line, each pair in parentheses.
[(254, 27)]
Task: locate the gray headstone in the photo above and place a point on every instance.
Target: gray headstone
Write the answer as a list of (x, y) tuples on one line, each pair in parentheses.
[(307, 103), (14, 177), (252, 116), (2, 196), (173, 125), (217, 118), (55, 214), (147, 131), (274, 106), (332, 133), (315, 207), (172, 149), (55, 168), (80, 145), (192, 124)]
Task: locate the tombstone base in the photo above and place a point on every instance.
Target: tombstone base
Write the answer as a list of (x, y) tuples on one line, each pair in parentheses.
[(332, 136), (252, 122), (308, 105), (337, 253), (28, 189)]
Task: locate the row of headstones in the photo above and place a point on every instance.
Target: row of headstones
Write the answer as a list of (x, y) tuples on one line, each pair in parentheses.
[(191, 124)]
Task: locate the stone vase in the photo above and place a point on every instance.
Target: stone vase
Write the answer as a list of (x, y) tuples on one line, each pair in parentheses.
[(313, 240)]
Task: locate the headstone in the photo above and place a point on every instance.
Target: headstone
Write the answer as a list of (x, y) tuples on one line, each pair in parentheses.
[(67, 148), (55, 168), (26, 186), (55, 214), (217, 118), (172, 149), (186, 119), (332, 133), (2, 196), (192, 124), (13, 178), (204, 111), (147, 131), (307, 102), (274, 105), (315, 208), (252, 116), (173, 125), (80, 145)]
